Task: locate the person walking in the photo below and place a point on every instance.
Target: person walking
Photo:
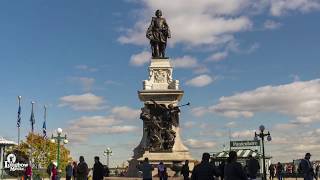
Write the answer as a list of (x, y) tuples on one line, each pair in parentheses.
[(233, 170), (161, 170), (279, 171), (185, 171), (98, 169), (74, 170), (54, 171), (146, 169), (82, 169), (205, 170), (271, 171), (69, 171), (317, 171), (221, 169), (28, 172), (253, 167), (306, 167)]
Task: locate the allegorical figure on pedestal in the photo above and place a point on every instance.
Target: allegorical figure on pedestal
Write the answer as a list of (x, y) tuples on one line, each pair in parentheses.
[(158, 33)]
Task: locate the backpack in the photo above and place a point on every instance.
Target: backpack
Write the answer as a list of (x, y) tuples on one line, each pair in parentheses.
[(300, 167)]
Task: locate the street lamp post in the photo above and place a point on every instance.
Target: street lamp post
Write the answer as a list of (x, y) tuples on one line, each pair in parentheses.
[(261, 135), (108, 153), (58, 139)]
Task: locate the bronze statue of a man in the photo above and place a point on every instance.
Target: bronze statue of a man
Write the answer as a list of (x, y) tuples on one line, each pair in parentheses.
[(158, 33)]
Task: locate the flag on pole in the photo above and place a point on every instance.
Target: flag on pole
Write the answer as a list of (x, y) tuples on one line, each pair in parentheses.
[(44, 126), (44, 129), (19, 116), (32, 119)]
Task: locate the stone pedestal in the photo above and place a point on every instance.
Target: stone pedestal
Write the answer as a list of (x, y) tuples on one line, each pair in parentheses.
[(163, 89)]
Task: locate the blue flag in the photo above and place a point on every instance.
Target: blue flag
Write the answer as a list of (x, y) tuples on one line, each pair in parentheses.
[(44, 129), (19, 117), (32, 120)]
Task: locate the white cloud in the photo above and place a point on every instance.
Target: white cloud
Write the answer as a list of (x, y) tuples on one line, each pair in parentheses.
[(270, 24), (285, 126), (199, 111), (189, 124), (86, 68), (231, 124), (299, 99), (140, 59), (184, 62), (124, 112), (281, 7), (249, 134), (200, 81), (86, 82), (198, 144), (193, 22), (80, 129), (218, 56), (82, 102)]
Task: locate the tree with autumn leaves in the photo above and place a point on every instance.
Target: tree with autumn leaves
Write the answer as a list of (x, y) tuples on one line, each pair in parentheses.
[(43, 151)]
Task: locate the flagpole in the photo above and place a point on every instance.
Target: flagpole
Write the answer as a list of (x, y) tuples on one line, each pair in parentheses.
[(19, 118), (32, 117), (44, 128)]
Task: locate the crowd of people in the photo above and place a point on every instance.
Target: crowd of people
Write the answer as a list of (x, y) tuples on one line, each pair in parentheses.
[(229, 170), (205, 170), (79, 171), (308, 170)]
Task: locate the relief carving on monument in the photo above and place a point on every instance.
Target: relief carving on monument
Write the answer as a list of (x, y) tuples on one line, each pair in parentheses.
[(158, 123)]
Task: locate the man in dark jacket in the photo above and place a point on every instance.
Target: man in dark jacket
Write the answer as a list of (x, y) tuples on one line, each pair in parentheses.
[(204, 170), (82, 169), (233, 170), (306, 167), (98, 169), (185, 171), (253, 167)]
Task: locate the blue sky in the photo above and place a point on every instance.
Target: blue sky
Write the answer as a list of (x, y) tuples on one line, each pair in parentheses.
[(240, 63)]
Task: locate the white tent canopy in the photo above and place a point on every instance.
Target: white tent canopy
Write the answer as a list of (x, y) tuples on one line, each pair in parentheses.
[(3, 144), (6, 142)]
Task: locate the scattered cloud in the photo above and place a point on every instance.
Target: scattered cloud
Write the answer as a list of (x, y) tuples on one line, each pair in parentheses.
[(140, 59), (249, 134), (299, 99), (282, 7), (189, 124), (80, 129), (198, 144), (209, 22), (286, 126), (125, 112), (82, 102), (231, 124), (111, 82), (270, 24), (184, 62), (200, 81), (295, 77), (86, 82), (86, 68), (219, 56)]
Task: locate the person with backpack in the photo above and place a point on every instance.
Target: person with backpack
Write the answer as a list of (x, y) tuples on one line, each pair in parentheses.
[(233, 170), (253, 167), (82, 169), (98, 169), (306, 168), (185, 171), (279, 171), (69, 170)]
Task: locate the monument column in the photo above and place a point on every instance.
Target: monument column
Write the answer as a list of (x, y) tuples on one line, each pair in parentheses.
[(160, 114)]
